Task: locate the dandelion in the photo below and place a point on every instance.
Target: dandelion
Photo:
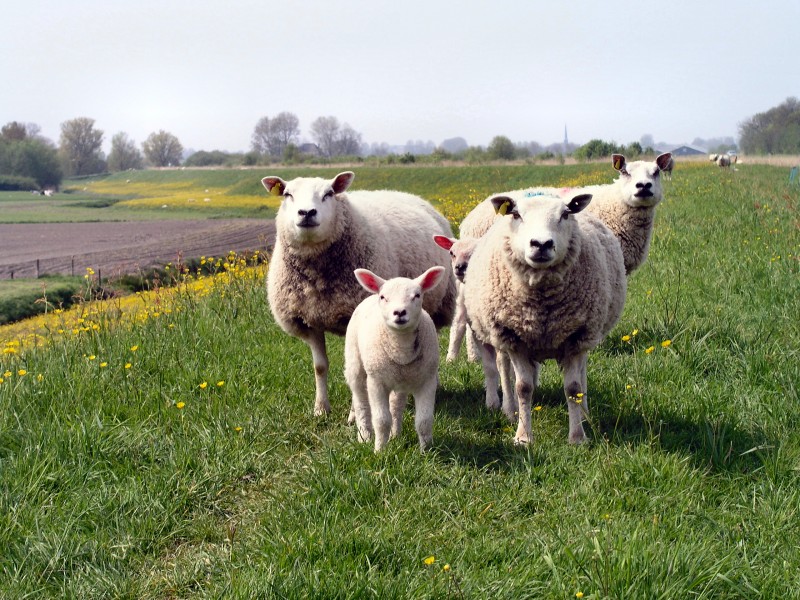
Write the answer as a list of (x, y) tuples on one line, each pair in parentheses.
[(204, 385), (429, 560), (9, 350), (22, 372), (579, 595), (446, 568), (103, 365), (40, 377), (538, 407), (134, 348), (7, 374), (237, 429), (1, 380), (650, 350), (626, 338), (128, 365), (666, 343), (220, 383), (92, 357), (635, 332), (180, 405)]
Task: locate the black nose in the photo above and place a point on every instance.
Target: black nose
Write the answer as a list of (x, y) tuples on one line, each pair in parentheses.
[(307, 213), (400, 313), (548, 245), (644, 186)]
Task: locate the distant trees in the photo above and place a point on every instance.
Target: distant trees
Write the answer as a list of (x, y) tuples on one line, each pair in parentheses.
[(80, 147), (163, 149), (124, 154), (26, 159), (325, 131), (599, 149), (776, 131), (501, 148), (272, 136)]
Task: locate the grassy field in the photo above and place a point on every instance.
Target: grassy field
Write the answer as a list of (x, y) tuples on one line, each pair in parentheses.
[(177, 457), (21, 298)]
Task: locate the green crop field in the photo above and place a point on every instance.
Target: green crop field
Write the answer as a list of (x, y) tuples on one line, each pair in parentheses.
[(177, 457)]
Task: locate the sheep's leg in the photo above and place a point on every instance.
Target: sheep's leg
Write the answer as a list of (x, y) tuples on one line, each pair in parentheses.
[(315, 339), (510, 406), (473, 346), (397, 405), (380, 412), (490, 375), (458, 328), (577, 398), (360, 407), (527, 374), (424, 402)]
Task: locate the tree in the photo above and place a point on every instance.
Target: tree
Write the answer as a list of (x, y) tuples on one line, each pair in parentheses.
[(259, 141), (501, 148), (271, 136), (124, 154), (454, 145), (31, 158), (162, 149), (325, 131), (349, 142), (597, 149), (776, 131), (80, 147), (14, 131)]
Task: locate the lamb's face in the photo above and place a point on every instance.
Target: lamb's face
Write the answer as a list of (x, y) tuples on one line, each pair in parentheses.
[(308, 209), (401, 303), (460, 252), (641, 180), (540, 235)]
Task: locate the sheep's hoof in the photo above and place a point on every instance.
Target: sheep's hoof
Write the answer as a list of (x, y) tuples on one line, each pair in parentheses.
[(351, 417), (493, 402), (521, 440), (578, 438), (322, 411), (451, 357)]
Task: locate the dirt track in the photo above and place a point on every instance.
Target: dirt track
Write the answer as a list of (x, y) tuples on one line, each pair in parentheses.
[(115, 248)]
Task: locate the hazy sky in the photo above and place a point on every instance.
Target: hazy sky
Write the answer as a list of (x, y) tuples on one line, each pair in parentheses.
[(400, 70)]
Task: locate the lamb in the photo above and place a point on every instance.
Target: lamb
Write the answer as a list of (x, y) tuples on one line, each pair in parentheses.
[(545, 284), (323, 234), (460, 252), (392, 350)]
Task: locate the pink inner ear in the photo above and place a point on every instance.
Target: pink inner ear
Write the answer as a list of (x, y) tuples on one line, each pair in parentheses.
[(444, 242), (430, 279), (369, 281)]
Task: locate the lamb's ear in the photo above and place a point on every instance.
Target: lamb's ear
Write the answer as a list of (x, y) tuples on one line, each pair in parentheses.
[(578, 203), (503, 205), (274, 185), (342, 181), (430, 278), (444, 241), (368, 280), (618, 162), (664, 160)]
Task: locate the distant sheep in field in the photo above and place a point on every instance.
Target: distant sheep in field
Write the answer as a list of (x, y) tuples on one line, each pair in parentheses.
[(544, 283), (323, 234), (391, 351), (723, 160)]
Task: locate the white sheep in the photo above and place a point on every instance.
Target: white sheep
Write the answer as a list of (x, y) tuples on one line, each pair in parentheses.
[(545, 283), (460, 252), (392, 350), (723, 160), (323, 234)]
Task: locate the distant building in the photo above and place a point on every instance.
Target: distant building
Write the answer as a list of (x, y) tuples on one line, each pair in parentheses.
[(686, 151)]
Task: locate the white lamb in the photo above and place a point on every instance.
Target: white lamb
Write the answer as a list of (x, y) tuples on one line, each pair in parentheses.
[(460, 252), (392, 350), (323, 234), (545, 283)]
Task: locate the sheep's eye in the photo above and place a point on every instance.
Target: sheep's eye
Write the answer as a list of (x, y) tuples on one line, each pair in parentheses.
[(382, 297), (328, 194), (417, 295), (452, 255)]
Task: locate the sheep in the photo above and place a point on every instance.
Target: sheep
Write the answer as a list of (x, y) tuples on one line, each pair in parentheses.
[(392, 350), (460, 253), (723, 160), (544, 283), (323, 234)]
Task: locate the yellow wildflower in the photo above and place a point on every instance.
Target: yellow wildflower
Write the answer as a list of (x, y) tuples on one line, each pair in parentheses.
[(666, 343), (134, 348), (626, 338), (220, 383), (9, 350), (635, 332), (429, 560), (7, 374), (204, 385), (103, 365), (237, 429), (649, 350), (180, 405), (22, 372), (127, 365), (538, 407), (579, 595), (92, 357), (39, 377), (446, 568)]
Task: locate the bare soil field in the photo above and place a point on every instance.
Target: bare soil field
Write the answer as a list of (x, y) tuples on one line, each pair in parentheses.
[(116, 248)]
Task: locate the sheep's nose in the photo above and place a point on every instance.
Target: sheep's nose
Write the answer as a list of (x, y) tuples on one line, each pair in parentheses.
[(400, 313), (548, 245), (307, 213), (644, 186)]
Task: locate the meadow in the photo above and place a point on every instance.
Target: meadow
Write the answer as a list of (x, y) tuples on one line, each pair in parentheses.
[(163, 446)]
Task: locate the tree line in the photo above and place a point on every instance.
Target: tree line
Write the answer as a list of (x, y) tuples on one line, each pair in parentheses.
[(776, 131)]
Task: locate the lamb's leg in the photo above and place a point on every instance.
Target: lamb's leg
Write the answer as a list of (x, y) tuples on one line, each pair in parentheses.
[(510, 406), (424, 402), (315, 339), (380, 412), (473, 346), (577, 399), (458, 328), (527, 374), (360, 407), (397, 405), (490, 375)]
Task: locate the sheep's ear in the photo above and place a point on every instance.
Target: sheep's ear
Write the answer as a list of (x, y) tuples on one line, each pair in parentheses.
[(444, 241), (663, 160), (430, 278), (368, 280), (578, 203), (274, 185), (342, 181), (618, 162), (503, 205)]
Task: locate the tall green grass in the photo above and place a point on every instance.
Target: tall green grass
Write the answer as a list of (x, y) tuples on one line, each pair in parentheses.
[(198, 471)]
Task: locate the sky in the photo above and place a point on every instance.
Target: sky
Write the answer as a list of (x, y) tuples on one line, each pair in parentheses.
[(399, 70)]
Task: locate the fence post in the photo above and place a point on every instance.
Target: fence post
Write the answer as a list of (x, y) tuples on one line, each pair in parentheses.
[(72, 266), (37, 268)]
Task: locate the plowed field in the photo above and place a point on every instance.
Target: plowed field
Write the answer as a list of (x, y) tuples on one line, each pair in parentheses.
[(123, 247)]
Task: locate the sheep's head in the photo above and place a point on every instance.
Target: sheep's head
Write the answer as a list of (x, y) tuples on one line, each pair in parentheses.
[(541, 231), (400, 299), (460, 252), (308, 207), (641, 180)]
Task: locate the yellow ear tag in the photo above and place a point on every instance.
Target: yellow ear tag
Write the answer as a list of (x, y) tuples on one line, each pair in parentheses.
[(277, 189), (618, 164), (503, 208)]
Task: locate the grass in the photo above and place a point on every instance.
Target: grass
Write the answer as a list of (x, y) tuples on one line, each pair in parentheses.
[(22, 298), (177, 457)]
